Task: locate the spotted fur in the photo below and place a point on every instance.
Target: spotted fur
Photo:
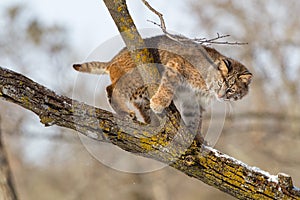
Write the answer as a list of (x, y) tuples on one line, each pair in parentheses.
[(215, 76)]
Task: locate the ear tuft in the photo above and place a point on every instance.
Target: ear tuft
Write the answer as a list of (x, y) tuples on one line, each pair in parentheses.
[(246, 78), (228, 64), (225, 67)]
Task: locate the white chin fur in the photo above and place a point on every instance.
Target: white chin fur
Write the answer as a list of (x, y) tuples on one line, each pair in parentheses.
[(217, 98)]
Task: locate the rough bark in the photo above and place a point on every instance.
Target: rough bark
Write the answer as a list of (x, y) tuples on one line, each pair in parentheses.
[(203, 163), (7, 190)]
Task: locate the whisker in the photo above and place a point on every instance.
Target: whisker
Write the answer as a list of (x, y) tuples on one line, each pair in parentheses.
[(231, 109)]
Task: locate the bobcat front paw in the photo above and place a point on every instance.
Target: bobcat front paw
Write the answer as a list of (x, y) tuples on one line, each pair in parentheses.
[(156, 106)]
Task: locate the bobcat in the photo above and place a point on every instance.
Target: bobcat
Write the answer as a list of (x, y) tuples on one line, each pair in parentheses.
[(186, 69)]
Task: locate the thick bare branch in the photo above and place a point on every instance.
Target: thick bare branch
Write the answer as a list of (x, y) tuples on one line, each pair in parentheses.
[(203, 163)]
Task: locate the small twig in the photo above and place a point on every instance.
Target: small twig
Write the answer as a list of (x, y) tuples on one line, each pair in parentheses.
[(162, 24), (162, 21), (182, 38), (214, 40)]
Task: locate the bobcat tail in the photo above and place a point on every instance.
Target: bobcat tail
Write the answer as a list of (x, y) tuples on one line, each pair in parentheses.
[(92, 67)]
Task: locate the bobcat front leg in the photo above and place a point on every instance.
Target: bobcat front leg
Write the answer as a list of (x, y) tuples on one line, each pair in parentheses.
[(165, 93), (199, 136)]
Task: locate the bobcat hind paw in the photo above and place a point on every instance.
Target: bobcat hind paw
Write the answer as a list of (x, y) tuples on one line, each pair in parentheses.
[(156, 107), (129, 115), (132, 115)]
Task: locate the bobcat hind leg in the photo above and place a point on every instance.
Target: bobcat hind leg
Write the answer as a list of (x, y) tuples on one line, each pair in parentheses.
[(118, 101)]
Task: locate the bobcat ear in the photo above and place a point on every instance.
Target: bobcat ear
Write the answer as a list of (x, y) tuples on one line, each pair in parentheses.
[(246, 78), (225, 67)]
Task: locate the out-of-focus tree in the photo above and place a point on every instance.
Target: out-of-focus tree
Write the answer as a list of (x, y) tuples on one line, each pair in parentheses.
[(40, 50), (26, 41), (43, 52)]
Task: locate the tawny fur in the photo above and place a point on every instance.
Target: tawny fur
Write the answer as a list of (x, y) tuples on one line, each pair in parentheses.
[(202, 70)]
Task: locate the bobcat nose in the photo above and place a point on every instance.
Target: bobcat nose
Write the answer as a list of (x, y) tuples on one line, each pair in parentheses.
[(221, 94)]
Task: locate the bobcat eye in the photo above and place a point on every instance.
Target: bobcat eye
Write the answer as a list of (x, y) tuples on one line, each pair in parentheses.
[(230, 91)]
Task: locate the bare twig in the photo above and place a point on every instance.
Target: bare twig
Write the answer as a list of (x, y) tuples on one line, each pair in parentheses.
[(162, 21), (182, 38)]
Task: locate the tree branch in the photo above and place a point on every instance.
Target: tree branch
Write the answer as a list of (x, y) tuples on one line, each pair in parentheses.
[(203, 163)]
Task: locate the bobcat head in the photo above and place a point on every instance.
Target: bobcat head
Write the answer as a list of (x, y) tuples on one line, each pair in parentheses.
[(233, 80)]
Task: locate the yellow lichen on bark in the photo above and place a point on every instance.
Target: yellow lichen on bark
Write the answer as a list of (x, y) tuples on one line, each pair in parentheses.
[(158, 140), (26, 101), (46, 120)]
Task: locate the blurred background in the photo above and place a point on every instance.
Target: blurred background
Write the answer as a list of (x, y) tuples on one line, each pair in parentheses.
[(42, 39)]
